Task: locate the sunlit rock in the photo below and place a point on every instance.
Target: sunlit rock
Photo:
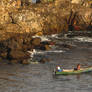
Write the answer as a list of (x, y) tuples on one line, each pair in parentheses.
[(87, 3), (77, 1)]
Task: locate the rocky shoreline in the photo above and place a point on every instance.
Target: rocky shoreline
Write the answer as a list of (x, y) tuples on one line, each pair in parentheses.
[(20, 20)]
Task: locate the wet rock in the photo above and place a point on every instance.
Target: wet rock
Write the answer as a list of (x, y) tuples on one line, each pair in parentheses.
[(48, 43), (44, 60), (14, 48), (47, 47), (25, 62), (14, 61), (1, 60), (18, 55), (27, 47), (36, 41), (14, 45), (3, 55), (27, 40), (18, 42), (67, 46), (43, 47)]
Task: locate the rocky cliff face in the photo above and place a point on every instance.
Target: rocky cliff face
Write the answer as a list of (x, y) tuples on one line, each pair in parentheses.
[(43, 18), (22, 17)]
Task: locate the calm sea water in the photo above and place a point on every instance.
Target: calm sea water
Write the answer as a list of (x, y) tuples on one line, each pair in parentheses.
[(39, 77)]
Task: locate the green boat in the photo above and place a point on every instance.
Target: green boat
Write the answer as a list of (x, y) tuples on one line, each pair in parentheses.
[(72, 71)]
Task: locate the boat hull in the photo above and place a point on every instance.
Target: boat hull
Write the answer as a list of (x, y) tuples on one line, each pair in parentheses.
[(71, 72)]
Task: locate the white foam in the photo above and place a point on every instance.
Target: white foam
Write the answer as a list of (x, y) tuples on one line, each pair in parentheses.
[(54, 36), (84, 39), (43, 52), (43, 38)]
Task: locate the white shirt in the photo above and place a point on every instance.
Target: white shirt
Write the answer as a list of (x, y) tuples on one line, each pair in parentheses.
[(58, 68)]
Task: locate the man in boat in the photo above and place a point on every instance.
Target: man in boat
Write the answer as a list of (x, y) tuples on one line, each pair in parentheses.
[(78, 67), (58, 69)]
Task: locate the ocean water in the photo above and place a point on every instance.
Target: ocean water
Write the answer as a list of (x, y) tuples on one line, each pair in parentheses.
[(39, 77)]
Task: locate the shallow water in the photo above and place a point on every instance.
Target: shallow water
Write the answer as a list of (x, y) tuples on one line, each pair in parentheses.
[(39, 77)]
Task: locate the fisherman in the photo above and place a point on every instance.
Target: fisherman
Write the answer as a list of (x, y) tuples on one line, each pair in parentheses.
[(78, 67), (58, 69)]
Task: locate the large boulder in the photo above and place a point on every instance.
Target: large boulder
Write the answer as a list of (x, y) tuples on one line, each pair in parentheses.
[(36, 41), (18, 55)]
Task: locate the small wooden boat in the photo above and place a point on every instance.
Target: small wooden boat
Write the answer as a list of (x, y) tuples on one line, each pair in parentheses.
[(72, 71)]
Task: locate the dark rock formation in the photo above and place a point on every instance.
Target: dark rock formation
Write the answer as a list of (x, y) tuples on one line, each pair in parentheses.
[(13, 54), (46, 18)]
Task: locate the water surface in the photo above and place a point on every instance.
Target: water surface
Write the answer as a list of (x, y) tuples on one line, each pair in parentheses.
[(39, 77)]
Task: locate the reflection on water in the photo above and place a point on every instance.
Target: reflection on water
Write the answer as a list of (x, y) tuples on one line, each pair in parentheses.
[(39, 77)]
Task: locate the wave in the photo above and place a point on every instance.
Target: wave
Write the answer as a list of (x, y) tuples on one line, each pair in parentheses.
[(83, 39), (43, 52)]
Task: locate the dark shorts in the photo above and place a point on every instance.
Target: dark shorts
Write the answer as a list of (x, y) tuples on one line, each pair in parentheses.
[(75, 69)]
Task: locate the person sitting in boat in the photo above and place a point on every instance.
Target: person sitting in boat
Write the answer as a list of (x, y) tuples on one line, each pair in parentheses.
[(58, 69), (78, 67)]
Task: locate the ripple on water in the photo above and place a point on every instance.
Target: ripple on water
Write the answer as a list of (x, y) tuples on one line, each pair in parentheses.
[(38, 77)]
